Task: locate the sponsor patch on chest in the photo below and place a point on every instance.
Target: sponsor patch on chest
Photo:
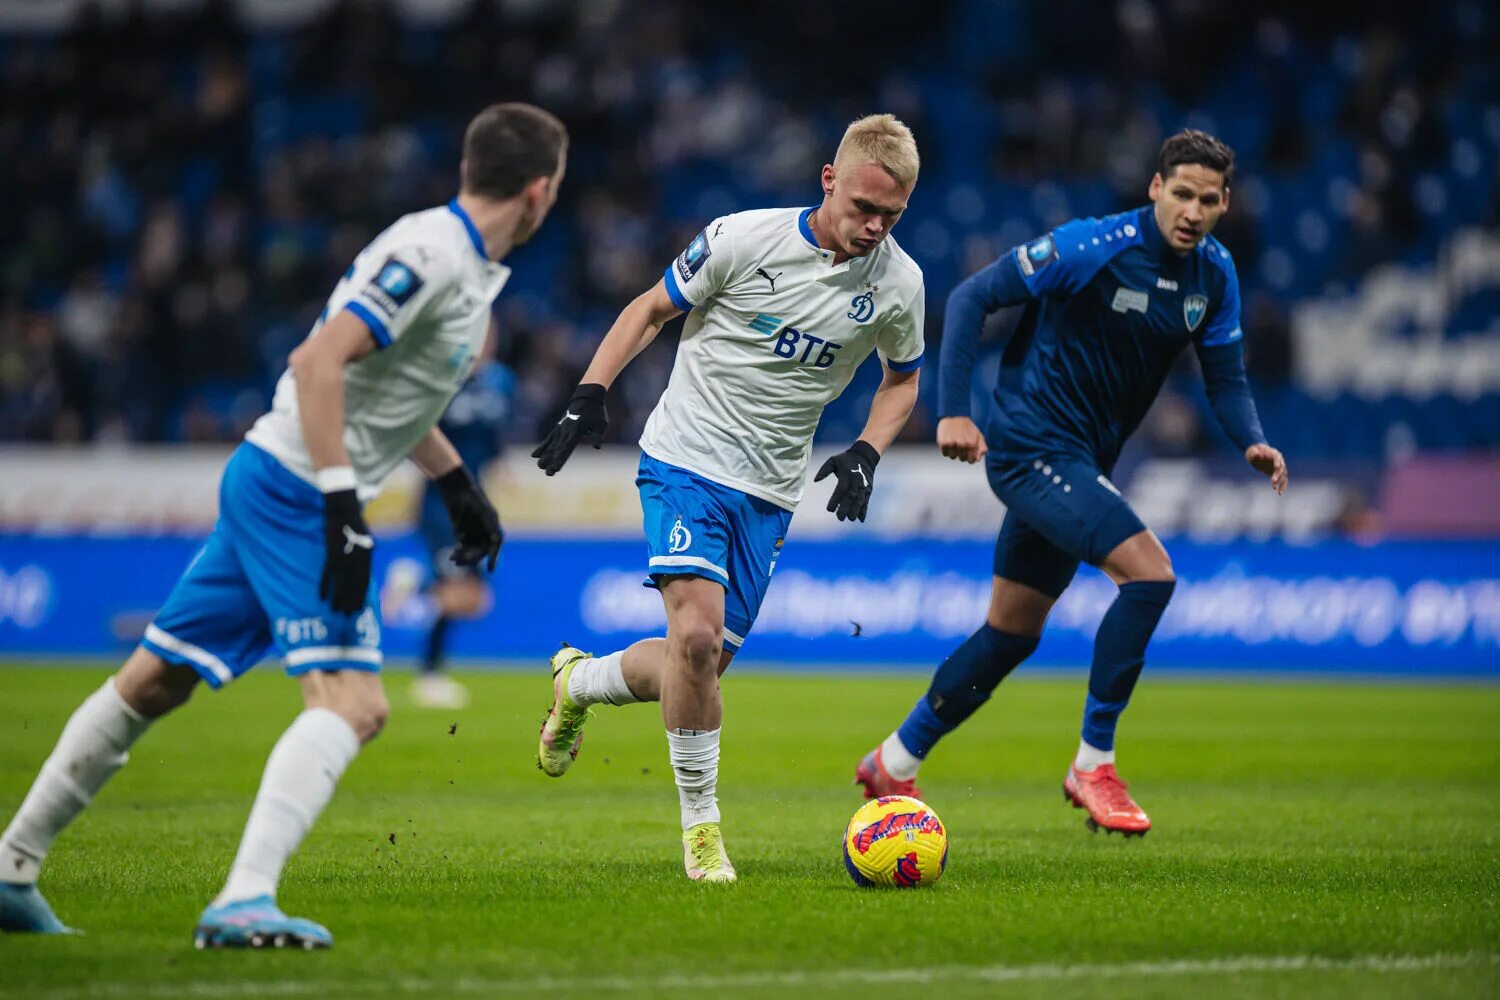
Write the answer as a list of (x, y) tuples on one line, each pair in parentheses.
[(1130, 300)]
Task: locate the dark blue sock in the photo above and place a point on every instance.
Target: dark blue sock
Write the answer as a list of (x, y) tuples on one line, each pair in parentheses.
[(963, 683), (1119, 654), (437, 642)]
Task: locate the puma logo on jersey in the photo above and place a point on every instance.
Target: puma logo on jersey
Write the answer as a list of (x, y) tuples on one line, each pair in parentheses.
[(355, 540), (766, 274)]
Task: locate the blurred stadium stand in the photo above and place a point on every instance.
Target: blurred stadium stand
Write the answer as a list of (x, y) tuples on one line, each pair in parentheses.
[(185, 180)]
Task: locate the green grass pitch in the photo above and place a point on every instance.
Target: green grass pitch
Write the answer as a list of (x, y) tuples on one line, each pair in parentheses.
[(1311, 839)]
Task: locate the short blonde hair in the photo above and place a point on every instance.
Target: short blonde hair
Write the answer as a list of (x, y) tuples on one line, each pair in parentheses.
[(885, 141)]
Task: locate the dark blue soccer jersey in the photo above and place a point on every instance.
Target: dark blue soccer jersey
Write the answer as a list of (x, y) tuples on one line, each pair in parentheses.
[(1108, 308)]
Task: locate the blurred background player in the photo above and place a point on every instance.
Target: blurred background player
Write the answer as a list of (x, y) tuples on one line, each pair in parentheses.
[(475, 424), (288, 564), (785, 304), (1110, 304)]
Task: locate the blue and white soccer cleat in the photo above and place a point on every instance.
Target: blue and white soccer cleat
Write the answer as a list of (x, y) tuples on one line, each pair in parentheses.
[(23, 910), (257, 923)]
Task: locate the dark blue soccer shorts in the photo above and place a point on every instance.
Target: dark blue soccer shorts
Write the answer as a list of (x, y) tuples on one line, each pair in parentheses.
[(1060, 511)]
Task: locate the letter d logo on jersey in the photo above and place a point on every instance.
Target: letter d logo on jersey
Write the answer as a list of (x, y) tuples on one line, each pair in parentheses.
[(1193, 308), (679, 538)]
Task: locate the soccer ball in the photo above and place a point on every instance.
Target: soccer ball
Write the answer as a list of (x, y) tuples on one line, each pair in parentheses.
[(896, 841)]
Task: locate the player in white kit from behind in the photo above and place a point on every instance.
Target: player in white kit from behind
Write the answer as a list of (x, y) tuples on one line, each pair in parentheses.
[(288, 563), (783, 305)]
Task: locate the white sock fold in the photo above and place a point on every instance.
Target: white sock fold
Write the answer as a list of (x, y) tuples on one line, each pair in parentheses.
[(899, 762), (93, 746), (300, 776), (1091, 757), (695, 763), (601, 679)]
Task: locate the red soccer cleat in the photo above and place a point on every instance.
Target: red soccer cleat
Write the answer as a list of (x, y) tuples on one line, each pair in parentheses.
[(1102, 792), (877, 780)]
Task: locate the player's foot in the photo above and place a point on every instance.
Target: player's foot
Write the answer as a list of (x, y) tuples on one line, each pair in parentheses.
[(562, 730), (257, 923), (877, 780), (23, 910), (1103, 793), (439, 691), (703, 854)]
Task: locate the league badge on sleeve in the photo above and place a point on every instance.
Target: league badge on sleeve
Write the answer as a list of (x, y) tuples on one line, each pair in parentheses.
[(1193, 308), (1037, 254), (394, 286), (691, 260)]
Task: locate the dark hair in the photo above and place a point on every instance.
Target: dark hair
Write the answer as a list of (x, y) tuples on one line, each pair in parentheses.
[(507, 146), (1192, 146)]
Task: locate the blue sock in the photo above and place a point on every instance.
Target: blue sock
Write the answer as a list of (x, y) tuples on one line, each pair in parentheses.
[(963, 683), (1119, 654)]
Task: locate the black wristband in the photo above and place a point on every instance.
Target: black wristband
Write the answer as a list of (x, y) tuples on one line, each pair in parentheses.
[(454, 482), (589, 390), (866, 451), (343, 503)]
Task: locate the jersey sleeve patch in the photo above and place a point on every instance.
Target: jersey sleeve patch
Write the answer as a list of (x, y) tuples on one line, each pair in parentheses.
[(1032, 257), (693, 257), (393, 286)]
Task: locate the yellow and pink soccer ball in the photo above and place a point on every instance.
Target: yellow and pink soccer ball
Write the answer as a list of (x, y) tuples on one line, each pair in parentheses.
[(895, 841)]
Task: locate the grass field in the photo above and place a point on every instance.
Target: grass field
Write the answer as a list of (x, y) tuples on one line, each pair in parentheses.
[(1311, 839)]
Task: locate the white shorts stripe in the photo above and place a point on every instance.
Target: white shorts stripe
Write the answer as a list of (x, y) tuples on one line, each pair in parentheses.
[(188, 651), (697, 561), (738, 640), (329, 654)]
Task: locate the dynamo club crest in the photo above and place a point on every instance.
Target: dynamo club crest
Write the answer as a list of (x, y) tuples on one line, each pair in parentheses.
[(862, 306), (1193, 308)]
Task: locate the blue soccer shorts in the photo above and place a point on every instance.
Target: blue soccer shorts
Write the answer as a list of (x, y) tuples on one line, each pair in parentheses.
[(696, 527), (1059, 511), (254, 585)]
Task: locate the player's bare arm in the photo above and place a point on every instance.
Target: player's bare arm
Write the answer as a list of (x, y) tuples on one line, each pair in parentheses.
[(634, 329), (318, 366), (891, 408), (435, 455), (586, 419)]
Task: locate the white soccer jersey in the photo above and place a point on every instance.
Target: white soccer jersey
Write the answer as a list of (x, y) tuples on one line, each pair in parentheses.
[(424, 288), (776, 331)]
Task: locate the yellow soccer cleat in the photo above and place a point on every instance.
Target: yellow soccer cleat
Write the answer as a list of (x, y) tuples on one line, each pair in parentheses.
[(562, 730), (703, 854)]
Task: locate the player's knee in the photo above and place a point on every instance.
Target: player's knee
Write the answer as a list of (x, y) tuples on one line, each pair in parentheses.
[(701, 642), (152, 686)]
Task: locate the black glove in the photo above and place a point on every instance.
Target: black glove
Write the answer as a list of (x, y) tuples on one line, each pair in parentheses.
[(584, 421), (346, 564), (476, 525), (856, 471)]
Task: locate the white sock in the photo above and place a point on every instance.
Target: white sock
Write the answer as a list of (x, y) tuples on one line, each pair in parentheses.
[(695, 763), (300, 776), (900, 762), (1091, 757), (90, 750), (601, 679)]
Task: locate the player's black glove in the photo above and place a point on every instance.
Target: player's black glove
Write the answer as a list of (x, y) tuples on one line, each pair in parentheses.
[(346, 564), (476, 525), (855, 469), (584, 421)]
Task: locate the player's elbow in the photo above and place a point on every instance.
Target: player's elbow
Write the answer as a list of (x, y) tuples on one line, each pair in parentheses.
[(309, 365)]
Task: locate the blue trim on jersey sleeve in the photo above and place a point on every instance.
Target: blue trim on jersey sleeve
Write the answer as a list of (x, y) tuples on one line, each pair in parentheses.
[(805, 229), (674, 292), (375, 323), (473, 230), (906, 366), (1223, 327)]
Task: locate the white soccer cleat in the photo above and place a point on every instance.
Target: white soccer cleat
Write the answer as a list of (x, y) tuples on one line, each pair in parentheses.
[(703, 854)]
